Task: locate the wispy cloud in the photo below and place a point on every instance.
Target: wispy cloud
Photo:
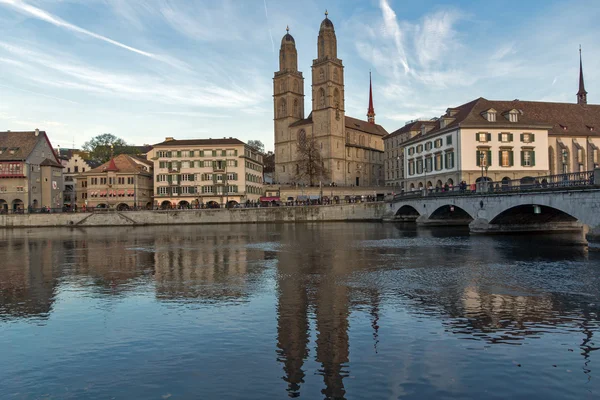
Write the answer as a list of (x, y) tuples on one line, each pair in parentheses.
[(270, 33), (42, 15), (72, 74)]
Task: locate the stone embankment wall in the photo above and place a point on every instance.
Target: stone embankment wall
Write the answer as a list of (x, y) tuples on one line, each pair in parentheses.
[(347, 212), (329, 191)]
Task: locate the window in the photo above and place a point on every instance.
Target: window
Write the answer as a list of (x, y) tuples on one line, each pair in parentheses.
[(130, 180), (161, 178), (527, 137), (420, 148), (420, 166), (20, 189), (185, 164), (505, 137), (411, 151), (121, 180), (428, 164), (483, 137), (438, 162), (528, 158), (484, 158), (163, 190), (103, 181), (513, 116), (438, 143), (164, 154), (449, 160), (428, 146), (506, 158), (185, 153)]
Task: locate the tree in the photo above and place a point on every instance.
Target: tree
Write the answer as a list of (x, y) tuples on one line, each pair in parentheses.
[(257, 145), (269, 162), (310, 162), (102, 147)]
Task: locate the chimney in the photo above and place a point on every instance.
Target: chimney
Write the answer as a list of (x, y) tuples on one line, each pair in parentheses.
[(37, 132), (169, 139)]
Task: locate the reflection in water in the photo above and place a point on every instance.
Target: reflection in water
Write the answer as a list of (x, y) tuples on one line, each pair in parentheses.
[(351, 311)]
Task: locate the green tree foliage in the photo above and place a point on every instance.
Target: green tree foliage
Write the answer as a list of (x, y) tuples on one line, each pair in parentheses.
[(100, 148), (257, 145)]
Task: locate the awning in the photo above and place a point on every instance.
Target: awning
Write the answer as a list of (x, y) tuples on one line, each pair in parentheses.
[(103, 193), (130, 192), (290, 198), (121, 193), (270, 198)]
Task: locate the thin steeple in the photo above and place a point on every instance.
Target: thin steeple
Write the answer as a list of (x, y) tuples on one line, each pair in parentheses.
[(371, 110), (581, 94)]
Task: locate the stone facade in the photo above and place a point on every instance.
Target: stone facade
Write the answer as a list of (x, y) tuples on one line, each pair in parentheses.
[(30, 172), (74, 163), (351, 149), (124, 182), (211, 172)]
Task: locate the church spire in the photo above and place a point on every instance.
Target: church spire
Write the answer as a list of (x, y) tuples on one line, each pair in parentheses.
[(581, 94), (371, 110)]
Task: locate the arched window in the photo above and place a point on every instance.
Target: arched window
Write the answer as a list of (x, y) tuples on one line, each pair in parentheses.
[(335, 74), (338, 165), (321, 97), (296, 110), (336, 98), (282, 86), (302, 135), (282, 108), (321, 74)]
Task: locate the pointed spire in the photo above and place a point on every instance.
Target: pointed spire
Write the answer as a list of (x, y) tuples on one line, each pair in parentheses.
[(371, 110), (581, 94)]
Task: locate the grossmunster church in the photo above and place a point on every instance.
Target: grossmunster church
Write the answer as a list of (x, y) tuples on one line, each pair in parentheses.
[(351, 149)]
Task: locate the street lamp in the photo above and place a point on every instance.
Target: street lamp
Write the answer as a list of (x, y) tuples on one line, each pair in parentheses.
[(481, 163), (425, 170)]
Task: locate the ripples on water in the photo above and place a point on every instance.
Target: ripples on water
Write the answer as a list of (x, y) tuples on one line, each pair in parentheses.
[(311, 311)]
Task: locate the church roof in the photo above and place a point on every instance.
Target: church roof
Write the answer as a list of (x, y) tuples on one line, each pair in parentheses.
[(306, 121), (364, 126)]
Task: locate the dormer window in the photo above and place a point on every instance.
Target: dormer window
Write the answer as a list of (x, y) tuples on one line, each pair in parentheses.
[(489, 115), (512, 115)]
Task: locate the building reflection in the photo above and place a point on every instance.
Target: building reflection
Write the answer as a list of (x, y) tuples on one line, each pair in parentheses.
[(207, 264), (28, 279)]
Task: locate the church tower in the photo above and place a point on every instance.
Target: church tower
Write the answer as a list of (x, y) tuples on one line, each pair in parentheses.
[(328, 104), (288, 102), (581, 94), (371, 109)]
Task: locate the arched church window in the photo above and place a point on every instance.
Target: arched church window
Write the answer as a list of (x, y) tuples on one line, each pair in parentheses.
[(336, 98), (282, 86), (302, 135), (282, 108), (321, 74), (321, 97), (335, 74), (296, 111)]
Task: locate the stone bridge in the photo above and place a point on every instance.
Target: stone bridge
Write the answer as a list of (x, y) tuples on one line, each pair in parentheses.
[(555, 210)]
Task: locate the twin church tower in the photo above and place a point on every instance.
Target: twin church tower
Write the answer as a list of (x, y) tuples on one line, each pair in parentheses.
[(351, 149)]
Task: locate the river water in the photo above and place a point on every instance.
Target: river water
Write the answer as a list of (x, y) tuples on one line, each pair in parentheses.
[(338, 310)]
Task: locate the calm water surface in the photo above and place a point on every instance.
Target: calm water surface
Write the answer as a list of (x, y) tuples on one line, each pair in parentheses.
[(315, 311)]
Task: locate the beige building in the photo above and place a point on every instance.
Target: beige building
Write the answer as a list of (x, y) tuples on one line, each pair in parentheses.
[(122, 183), (394, 151), (205, 172), (30, 172), (479, 140), (74, 163), (351, 149)]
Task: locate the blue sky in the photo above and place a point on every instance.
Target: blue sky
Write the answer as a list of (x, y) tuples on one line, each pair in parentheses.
[(147, 69)]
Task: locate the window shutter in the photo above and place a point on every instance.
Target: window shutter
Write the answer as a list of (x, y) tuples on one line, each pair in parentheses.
[(488, 137), (478, 158), (511, 158), (489, 158), (532, 135), (500, 160), (510, 137), (522, 137), (477, 137), (499, 137), (533, 158), (522, 156), (214, 164)]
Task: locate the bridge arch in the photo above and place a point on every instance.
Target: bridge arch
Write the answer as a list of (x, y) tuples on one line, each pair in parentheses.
[(451, 212), (407, 211), (532, 214)]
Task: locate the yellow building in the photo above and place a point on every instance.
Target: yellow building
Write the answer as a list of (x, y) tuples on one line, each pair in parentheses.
[(124, 182), (205, 173), (351, 149)]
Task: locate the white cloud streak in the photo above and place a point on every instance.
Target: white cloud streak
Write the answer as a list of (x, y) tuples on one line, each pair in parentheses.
[(42, 15)]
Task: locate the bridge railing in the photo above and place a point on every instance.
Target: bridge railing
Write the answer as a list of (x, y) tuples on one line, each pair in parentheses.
[(541, 183)]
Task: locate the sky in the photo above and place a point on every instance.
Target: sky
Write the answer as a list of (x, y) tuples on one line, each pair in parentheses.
[(147, 69)]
